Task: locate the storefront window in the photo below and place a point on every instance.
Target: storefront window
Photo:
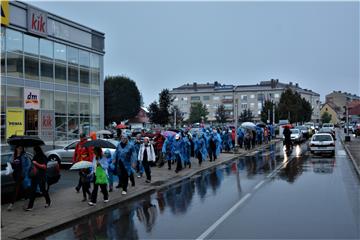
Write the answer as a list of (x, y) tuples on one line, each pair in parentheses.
[(60, 103), (60, 73), (3, 98), (72, 55), (73, 75), (31, 68), (47, 71), (15, 96), (46, 49), (47, 100), (60, 128), (84, 105), (84, 58), (73, 104), (84, 77), (85, 125), (95, 105), (31, 45), (60, 52), (95, 124), (73, 127), (14, 41), (14, 65)]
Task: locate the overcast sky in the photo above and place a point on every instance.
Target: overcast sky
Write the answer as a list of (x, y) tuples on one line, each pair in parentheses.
[(166, 44)]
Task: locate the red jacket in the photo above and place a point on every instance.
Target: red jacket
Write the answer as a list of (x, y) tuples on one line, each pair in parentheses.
[(159, 141), (82, 153)]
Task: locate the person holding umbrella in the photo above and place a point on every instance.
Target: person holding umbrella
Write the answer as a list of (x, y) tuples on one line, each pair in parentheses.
[(99, 171), (82, 154), (21, 165), (124, 155), (38, 177)]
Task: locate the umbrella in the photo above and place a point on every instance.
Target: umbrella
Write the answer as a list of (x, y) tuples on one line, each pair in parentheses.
[(248, 125), (287, 125), (168, 133), (121, 126), (25, 141), (81, 165), (99, 143), (103, 132), (261, 124)]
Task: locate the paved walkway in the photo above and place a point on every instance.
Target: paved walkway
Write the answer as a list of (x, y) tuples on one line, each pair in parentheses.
[(67, 206), (352, 148)]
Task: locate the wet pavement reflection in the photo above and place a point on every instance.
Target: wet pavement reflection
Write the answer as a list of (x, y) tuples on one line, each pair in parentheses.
[(191, 206)]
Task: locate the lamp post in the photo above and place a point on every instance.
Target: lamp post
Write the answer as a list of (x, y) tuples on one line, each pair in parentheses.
[(347, 137), (236, 120)]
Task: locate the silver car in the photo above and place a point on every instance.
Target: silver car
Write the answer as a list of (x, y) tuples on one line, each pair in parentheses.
[(65, 155)]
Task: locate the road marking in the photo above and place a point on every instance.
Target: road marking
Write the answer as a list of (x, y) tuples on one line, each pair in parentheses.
[(259, 185), (223, 217)]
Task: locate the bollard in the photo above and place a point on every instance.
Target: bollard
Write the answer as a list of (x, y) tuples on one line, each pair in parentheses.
[(347, 138)]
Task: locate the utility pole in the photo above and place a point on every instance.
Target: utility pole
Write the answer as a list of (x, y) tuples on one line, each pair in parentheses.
[(236, 120), (273, 121), (268, 115), (174, 117)]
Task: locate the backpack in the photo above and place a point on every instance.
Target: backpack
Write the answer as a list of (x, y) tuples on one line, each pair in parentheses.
[(52, 172)]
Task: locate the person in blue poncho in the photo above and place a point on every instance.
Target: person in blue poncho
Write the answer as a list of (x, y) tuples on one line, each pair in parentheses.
[(166, 150), (214, 145), (139, 167), (178, 152), (240, 136), (111, 169), (186, 150), (200, 147), (124, 161)]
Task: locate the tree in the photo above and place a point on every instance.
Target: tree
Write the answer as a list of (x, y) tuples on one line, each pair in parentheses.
[(165, 101), (293, 107), (179, 115), (326, 117), (221, 114), (246, 116), (121, 99), (198, 112), (268, 105), (154, 112)]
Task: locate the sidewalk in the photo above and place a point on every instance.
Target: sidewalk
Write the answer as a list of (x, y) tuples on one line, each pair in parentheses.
[(352, 148), (67, 206)]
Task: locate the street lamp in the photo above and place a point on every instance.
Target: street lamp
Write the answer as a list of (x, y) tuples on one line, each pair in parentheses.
[(347, 137)]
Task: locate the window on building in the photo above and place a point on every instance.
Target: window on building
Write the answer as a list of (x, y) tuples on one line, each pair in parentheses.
[(47, 100), (60, 73), (60, 103), (73, 75), (31, 67), (60, 52), (60, 128), (276, 95), (95, 124), (73, 127), (46, 49), (14, 65), (84, 58), (95, 105), (243, 98), (260, 97), (228, 97), (31, 45), (15, 96), (46, 71), (184, 98), (73, 56), (252, 96), (3, 38), (14, 41), (216, 98), (206, 98), (195, 98), (228, 106), (95, 79), (252, 105), (84, 105), (3, 99), (259, 106), (84, 77), (244, 105), (73, 104)]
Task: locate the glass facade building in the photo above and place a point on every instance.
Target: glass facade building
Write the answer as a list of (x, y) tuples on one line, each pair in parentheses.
[(61, 68)]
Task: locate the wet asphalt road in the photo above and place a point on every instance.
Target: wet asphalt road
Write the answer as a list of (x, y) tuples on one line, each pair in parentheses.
[(264, 195)]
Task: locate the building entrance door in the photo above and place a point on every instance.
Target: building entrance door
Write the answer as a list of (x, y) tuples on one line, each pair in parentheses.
[(31, 122)]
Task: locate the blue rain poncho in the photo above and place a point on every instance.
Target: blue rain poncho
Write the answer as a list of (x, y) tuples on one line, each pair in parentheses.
[(217, 139), (186, 149), (200, 146), (178, 150), (240, 133), (127, 155), (167, 148)]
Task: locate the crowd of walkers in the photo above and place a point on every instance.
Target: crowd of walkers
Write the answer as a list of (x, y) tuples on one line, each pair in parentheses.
[(134, 158)]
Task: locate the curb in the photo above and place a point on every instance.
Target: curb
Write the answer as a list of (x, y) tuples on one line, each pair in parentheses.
[(55, 226), (347, 150)]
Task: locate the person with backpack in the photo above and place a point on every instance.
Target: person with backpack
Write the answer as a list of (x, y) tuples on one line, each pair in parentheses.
[(38, 177), (21, 165), (100, 174)]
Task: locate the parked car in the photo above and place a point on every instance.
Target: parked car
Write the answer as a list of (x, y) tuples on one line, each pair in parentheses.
[(8, 183), (322, 143), (64, 155)]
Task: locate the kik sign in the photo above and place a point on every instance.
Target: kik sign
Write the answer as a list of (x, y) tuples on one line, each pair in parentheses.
[(32, 99), (5, 18), (36, 21)]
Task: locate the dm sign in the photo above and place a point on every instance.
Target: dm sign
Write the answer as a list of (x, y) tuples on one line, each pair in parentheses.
[(36, 21), (14, 122), (5, 16), (32, 99)]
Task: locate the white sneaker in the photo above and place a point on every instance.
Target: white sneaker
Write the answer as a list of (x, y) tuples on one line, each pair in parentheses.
[(10, 207), (139, 176), (105, 201), (123, 192), (92, 204)]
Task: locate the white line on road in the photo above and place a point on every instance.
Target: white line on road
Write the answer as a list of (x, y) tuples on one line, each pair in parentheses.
[(259, 185), (224, 217)]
